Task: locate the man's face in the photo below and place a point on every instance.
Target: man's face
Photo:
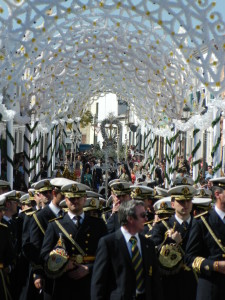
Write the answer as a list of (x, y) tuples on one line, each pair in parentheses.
[(220, 199), (37, 198), (148, 203), (12, 207), (182, 207), (138, 223), (58, 196), (76, 205), (46, 196), (124, 198)]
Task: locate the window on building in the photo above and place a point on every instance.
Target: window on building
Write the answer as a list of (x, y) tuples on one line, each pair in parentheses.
[(122, 107)]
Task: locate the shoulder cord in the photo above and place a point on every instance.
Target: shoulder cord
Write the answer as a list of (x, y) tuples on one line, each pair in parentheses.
[(38, 223), (70, 238), (213, 234)]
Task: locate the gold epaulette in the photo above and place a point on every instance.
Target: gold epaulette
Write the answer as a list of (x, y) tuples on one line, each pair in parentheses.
[(166, 218), (30, 213), (26, 209), (58, 218), (149, 222), (148, 236), (4, 225), (202, 214)]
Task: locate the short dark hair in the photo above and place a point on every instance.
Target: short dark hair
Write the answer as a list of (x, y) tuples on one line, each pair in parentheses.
[(128, 209)]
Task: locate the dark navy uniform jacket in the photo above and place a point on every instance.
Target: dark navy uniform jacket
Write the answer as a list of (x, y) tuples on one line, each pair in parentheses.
[(201, 244), (184, 280), (87, 237), (7, 258), (113, 223)]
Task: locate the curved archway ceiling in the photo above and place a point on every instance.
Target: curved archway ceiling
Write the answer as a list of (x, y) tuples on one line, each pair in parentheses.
[(57, 56)]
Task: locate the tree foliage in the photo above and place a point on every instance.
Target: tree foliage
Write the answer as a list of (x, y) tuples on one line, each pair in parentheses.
[(87, 118)]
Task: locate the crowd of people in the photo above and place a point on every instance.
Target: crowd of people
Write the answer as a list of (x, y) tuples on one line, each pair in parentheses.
[(64, 238)]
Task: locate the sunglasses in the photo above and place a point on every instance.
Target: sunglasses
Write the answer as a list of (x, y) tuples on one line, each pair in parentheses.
[(143, 215)]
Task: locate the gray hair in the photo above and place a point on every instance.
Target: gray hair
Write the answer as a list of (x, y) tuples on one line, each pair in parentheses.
[(128, 209)]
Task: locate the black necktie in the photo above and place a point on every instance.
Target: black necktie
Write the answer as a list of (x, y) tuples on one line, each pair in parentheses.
[(60, 213), (78, 220), (137, 264), (185, 225)]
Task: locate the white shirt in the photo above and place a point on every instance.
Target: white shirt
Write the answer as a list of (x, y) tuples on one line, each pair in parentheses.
[(54, 209), (71, 215), (220, 213), (127, 237), (181, 221), (7, 218)]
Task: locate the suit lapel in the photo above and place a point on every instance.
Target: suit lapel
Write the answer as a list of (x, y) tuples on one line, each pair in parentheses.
[(122, 247), (69, 225), (218, 226), (146, 257)]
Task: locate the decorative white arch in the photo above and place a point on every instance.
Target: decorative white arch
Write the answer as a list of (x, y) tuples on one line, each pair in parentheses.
[(56, 56)]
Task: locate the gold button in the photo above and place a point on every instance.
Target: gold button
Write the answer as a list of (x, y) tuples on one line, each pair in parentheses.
[(86, 242), (71, 235), (88, 234), (86, 249), (73, 248)]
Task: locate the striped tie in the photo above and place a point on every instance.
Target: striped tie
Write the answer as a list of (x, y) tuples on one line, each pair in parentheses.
[(137, 264)]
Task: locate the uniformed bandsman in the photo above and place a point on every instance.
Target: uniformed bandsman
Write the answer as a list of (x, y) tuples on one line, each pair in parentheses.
[(171, 236), (50, 193), (69, 246), (206, 247), (202, 201), (7, 257), (10, 200), (120, 193), (163, 210)]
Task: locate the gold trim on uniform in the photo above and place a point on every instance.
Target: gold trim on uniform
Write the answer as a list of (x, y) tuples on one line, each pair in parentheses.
[(196, 265), (74, 195)]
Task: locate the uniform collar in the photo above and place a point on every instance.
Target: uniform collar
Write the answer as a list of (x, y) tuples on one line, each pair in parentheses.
[(220, 213)]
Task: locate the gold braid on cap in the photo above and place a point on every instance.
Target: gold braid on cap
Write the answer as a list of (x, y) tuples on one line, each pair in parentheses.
[(74, 195), (186, 195), (222, 184), (136, 193)]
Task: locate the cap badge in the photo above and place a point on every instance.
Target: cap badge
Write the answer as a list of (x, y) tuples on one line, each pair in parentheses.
[(184, 181), (74, 188), (163, 205), (202, 193), (138, 191), (47, 183), (93, 202), (185, 191), (18, 194)]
